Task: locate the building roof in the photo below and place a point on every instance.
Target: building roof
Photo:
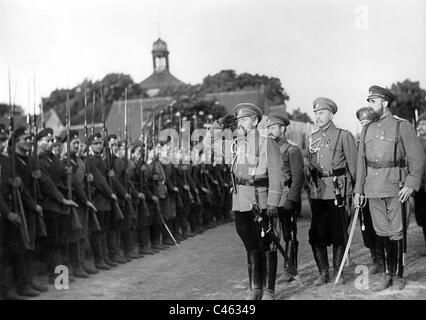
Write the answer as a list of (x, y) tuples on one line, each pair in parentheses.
[(160, 80), (115, 118), (230, 99), (159, 46)]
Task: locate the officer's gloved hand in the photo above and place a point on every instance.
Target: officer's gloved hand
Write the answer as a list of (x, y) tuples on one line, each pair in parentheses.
[(272, 211), (289, 206), (14, 218), (227, 121)]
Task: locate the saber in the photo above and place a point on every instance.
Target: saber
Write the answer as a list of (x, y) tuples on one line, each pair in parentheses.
[(348, 244)]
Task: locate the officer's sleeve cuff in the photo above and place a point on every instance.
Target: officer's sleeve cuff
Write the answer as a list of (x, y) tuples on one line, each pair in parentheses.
[(274, 198), (412, 182)]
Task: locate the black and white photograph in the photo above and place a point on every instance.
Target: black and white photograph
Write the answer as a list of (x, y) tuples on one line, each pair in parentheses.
[(212, 150)]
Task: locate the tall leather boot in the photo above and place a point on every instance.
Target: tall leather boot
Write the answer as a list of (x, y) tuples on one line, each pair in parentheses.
[(398, 282), (31, 270), (134, 243), (105, 252), (20, 276), (143, 237), (98, 253), (127, 244), (338, 252), (75, 258), (386, 255), (156, 230), (287, 275), (271, 275), (255, 275), (87, 257), (321, 259)]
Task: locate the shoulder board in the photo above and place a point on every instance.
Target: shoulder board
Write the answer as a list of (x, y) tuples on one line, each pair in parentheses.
[(292, 143), (313, 132), (399, 118)]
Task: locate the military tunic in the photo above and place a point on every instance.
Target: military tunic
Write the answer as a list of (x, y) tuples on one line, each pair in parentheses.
[(420, 197), (378, 176), (332, 155)]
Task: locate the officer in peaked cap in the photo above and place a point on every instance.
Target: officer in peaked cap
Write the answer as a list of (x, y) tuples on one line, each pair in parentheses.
[(390, 167), (420, 196), (379, 92), (73, 135), (332, 164), (95, 138), (294, 178), (257, 171)]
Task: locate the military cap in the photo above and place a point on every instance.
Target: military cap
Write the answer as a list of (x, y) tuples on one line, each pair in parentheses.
[(322, 103), (95, 137), (376, 91), (48, 132), (137, 144), (21, 132), (247, 110), (277, 118), (3, 132), (73, 135), (422, 117), (364, 113), (112, 136)]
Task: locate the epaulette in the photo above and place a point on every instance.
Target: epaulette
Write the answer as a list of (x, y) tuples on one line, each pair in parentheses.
[(292, 143), (313, 132), (399, 118)]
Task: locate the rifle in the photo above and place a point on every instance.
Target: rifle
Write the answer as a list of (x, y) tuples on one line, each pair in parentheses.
[(92, 215), (36, 176), (132, 212), (75, 219), (93, 114), (16, 193), (118, 215)]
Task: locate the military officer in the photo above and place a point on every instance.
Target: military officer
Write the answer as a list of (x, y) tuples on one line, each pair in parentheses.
[(390, 167), (258, 174), (420, 196), (294, 179), (332, 165), (371, 241)]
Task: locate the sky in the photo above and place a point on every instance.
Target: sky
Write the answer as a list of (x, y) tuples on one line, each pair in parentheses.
[(329, 48)]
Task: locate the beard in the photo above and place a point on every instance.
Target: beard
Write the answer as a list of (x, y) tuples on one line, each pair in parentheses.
[(375, 115)]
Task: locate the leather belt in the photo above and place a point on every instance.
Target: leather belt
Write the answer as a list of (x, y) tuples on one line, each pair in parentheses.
[(332, 173), (386, 164), (253, 183)]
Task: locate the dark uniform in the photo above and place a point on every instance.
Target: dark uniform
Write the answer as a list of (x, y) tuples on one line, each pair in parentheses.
[(390, 156), (290, 201), (332, 164), (258, 174), (420, 196)]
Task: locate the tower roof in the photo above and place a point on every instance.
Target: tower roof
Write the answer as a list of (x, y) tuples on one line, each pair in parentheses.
[(159, 46)]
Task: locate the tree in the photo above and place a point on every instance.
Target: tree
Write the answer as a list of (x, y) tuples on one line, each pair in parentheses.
[(19, 115), (298, 115), (408, 98)]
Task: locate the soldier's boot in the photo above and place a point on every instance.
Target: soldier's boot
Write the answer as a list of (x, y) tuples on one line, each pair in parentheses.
[(87, 257), (287, 275), (96, 242), (75, 257), (156, 238), (143, 236), (386, 256), (31, 270), (377, 261), (6, 290), (134, 243), (26, 290), (321, 259), (127, 244), (255, 275), (174, 227), (338, 251), (105, 252), (271, 275), (398, 281), (53, 260)]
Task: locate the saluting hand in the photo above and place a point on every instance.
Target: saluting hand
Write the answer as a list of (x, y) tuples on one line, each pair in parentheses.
[(405, 193), (227, 121)]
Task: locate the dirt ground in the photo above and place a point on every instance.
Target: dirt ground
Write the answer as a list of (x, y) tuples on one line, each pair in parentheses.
[(213, 266)]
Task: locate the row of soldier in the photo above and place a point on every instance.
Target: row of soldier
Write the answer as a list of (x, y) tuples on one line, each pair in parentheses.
[(124, 209)]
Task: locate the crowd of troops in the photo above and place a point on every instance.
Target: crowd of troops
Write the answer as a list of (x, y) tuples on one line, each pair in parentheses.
[(119, 210), (130, 207)]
